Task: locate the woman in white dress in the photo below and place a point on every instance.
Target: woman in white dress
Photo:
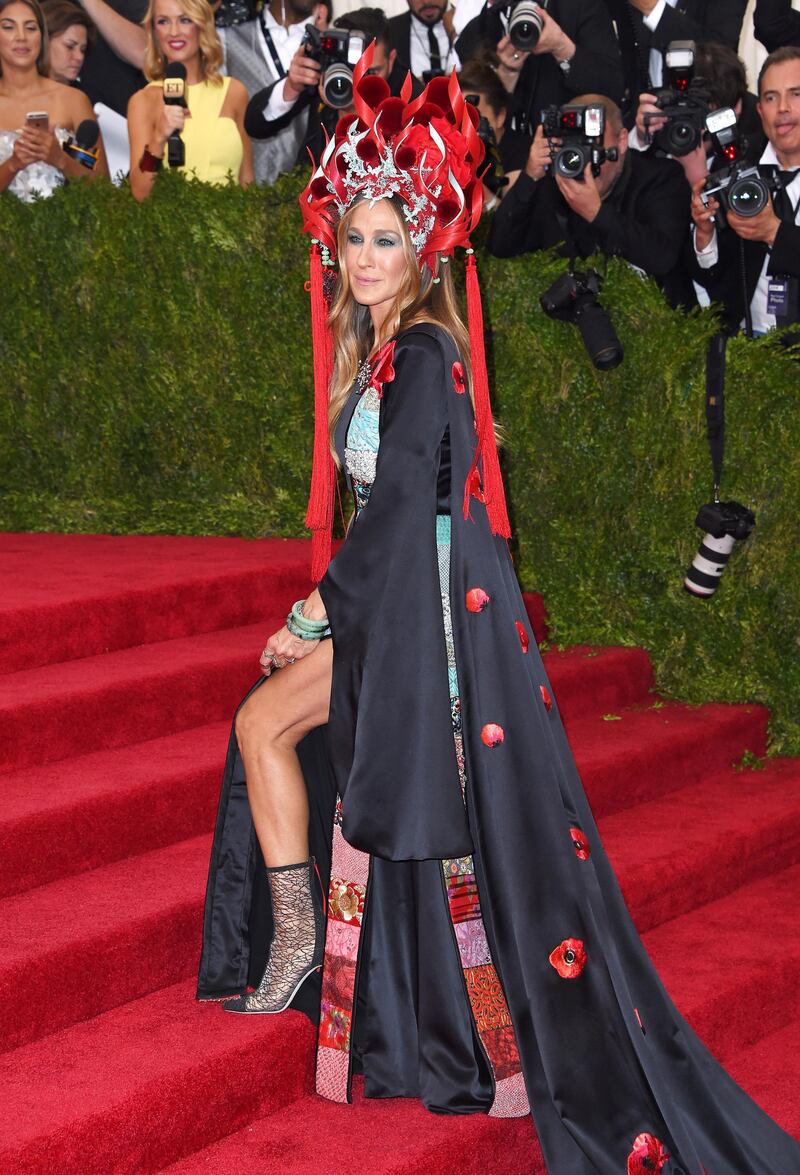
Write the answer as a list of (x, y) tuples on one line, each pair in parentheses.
[(33, 162)]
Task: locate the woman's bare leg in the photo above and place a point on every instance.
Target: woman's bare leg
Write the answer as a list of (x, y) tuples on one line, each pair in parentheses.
[(269, 726)]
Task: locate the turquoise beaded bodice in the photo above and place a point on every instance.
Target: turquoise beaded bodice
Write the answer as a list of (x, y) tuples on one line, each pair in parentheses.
[(361, 445)]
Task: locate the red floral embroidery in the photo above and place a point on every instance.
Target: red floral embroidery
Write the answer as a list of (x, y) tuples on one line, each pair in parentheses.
[(548, 701), (569, 958), (477, 599), (382, 367), (580, 844), (648, 1154), (459, 381), (524, 640), (475, 487), (492, 734)]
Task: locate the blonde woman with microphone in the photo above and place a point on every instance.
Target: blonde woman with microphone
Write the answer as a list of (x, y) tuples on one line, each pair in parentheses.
[(197, 103)]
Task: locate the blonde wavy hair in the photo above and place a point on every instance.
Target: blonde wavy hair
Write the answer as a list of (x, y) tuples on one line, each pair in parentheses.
[(201, 14), (419, 299)]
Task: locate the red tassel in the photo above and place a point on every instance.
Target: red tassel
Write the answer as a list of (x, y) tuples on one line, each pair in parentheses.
[(486, 448), (319, 515)]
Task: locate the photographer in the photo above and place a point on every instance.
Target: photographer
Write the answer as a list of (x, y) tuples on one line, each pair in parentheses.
[(311, 113), (263, 55), (776, 24), (760, 254), (422, 39), (645, 28), (636, 208), (724, 80), (481, 86), (576, 53)]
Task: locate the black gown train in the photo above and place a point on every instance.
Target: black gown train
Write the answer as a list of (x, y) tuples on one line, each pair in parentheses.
[(479, 954)]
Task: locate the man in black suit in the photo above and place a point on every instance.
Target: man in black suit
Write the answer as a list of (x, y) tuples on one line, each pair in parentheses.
[(767, 245), (577, 53), (645, 28), (636, 208), (422, 39), (776, 24), (320, 119)]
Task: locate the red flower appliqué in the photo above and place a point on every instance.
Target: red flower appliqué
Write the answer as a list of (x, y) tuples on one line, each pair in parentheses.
[(523, 635), (459, 380), (382, 367), (477, 599), (580, 844), (548, 701), (475, 487), (492, 734), (648, 1154), (569, 958)]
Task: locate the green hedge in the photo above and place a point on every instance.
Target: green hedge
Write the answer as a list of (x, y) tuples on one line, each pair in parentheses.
[(156, 376)]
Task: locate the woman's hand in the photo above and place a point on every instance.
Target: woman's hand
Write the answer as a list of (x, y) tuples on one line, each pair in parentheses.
[(36, 145), (169, 120), (283, 649)]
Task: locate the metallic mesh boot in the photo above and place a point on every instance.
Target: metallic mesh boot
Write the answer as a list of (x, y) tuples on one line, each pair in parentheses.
[(298, 943)]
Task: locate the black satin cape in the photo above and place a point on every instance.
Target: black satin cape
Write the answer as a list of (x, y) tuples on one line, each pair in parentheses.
[(606, 1057)]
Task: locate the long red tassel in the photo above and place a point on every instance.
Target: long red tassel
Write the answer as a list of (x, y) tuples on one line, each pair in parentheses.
[(319, 515), (486, 448)]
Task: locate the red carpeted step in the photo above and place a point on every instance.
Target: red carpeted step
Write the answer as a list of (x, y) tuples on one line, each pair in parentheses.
[(109, 701), (586, 680), (82, 813), (395, 1136), (53, 713), (707, 839), (71, 596), (733, 965), (642, 753), (770, 1072), (79, 947), (133, 1090)]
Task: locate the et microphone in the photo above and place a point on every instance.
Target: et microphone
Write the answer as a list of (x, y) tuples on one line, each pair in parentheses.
[(175, 95), (83, 147)]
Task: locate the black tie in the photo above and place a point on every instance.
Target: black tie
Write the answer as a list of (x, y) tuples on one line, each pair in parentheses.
[(433, 49)]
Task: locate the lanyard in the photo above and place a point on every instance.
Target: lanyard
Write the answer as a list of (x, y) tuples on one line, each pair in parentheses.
[(273, 52)]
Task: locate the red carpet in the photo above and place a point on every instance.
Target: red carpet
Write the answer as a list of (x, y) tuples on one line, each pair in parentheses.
[(121, 660)]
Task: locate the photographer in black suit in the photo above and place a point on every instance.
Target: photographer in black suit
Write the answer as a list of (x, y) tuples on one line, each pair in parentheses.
[(760, 254), (422, 39), (311, 106), (645, 28), (636, 208), (577, 53), (776, 24)]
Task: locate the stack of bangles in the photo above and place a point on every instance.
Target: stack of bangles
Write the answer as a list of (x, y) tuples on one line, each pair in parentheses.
[(303, 627)]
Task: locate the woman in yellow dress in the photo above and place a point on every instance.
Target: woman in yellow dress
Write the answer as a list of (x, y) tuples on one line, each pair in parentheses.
[(211, 124)]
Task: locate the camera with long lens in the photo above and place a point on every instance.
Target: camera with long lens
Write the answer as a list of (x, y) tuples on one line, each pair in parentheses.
[(573, 298), (338, 52), (684, 101), (724, 524), (737, 186), (524, 21), (581, 130), (494, 177)]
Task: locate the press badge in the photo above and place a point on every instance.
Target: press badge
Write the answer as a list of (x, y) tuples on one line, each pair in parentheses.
[(778, 296)]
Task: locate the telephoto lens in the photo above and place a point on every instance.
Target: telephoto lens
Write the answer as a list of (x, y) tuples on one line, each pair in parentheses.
[(525, 25), (725, 524)]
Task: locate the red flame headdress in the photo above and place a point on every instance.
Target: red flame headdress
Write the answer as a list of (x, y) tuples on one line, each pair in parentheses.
[(428, 154)]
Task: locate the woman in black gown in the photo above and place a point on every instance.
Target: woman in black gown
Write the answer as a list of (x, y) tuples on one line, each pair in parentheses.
[(476, 952)]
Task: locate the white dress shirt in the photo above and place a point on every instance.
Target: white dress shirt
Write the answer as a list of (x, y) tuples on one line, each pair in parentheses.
[(420, 51), (656, 55), (708, 257)]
